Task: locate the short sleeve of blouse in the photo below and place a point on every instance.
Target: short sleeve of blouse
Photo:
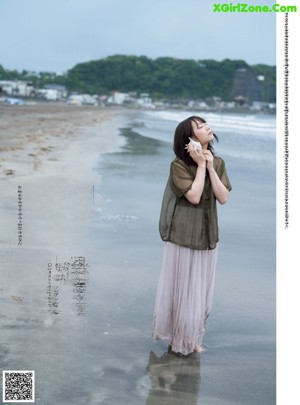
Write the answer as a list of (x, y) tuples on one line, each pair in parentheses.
[(221, 171), (181, 178)]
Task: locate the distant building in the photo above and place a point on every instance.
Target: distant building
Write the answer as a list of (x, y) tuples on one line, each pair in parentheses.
[(144, 101), (75, 99), (118, 98), (17, 88), (53, 92), (272, 93), (247, 87), (79, 99)]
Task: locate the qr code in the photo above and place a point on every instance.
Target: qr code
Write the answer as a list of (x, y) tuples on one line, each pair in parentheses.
[(18, 386)]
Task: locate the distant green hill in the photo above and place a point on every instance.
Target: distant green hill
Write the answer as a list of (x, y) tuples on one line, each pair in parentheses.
[(161, 77)]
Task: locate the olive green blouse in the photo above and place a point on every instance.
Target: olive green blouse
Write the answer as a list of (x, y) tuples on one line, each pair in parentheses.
[(186, 224)]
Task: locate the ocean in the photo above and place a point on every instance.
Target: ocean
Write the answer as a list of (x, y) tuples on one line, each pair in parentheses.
[(239, 367)]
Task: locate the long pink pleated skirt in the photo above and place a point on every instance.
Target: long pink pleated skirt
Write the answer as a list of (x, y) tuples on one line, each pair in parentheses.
[(184, 296)]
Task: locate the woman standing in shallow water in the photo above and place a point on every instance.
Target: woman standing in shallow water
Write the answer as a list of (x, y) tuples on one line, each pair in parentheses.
[(189, 226)]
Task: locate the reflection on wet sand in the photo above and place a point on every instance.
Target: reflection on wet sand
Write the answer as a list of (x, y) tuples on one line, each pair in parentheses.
[(174, 379)]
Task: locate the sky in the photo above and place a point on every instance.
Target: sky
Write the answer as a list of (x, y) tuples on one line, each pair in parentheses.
[(55, 35)]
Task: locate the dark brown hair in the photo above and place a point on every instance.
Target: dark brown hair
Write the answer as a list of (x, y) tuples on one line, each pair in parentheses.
[(183, 132)]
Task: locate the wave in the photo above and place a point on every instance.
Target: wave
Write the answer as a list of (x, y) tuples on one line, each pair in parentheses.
[(251, 137), (224, 123)]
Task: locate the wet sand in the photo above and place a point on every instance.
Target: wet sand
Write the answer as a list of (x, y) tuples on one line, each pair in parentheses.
[(239, 367), (77, 296), (47, 157)]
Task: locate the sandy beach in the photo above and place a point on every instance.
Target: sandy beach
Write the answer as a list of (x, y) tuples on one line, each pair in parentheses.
[(77, 294), (34, 136), (47, 154), (50, 150)]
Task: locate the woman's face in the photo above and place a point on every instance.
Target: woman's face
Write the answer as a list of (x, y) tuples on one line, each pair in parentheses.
[(202, 132)]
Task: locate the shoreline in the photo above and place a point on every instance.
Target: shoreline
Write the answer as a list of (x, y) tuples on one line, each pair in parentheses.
[(37, 139), (31, 103)]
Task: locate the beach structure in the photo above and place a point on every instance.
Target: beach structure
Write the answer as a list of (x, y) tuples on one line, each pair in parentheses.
[(16, 88), (53, 92), (79, 99), (247, 87)]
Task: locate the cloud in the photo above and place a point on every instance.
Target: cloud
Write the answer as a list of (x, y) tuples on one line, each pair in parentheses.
[(56, 35)]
